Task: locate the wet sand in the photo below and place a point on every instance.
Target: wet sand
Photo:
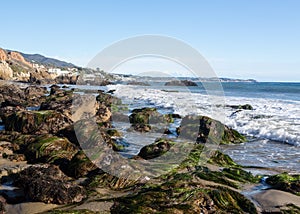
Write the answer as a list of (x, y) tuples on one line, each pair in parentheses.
[(272, 200)]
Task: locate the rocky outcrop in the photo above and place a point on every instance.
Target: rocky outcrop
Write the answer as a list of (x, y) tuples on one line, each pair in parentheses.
[(41, 77), (36, 122), (6, 73), (181, 83), (15, 56), (11, 95), (3, 55), (204, 129), (66, 80), (185, 193), (48, 184), (138, 83), (146, 119)]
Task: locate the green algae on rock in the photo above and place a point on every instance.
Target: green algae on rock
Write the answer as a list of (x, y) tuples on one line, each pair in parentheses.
[(203, 129), (49, 149), (36, 122), (285, 182)]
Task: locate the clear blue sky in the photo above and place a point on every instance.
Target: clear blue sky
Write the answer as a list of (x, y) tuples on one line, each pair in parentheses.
[(240, 38)]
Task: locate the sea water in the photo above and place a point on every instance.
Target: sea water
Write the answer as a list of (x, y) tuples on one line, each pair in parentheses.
[(273, 125)]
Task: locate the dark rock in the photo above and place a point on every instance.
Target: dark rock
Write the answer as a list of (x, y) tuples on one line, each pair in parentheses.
[(203, 129), (156, 149), (181, 83), (72, 80), (12, 95), (183, 193), (50, 149), (146, 118), (59, 100), (36, 122), (54, 89), (243, 107), (138, 83), (48, 184), (285, 182), (35, 95), (80, 165), (2, 205)]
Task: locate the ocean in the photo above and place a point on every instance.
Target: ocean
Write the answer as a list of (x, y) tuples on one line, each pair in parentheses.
[(272, 127)]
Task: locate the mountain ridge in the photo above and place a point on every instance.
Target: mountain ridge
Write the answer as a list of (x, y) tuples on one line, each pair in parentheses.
[(44, 60)]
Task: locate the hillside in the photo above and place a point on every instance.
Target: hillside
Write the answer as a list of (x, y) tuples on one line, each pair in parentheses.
[(40, 59)]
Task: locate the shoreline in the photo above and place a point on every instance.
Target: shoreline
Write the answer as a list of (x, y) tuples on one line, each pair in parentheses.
[(55, 108)]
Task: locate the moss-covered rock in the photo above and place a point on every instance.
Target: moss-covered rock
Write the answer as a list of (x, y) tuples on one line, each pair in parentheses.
[(156, 149), (285, 182), (230, 201), (204, 129), (183, 193), (145, 119), (221, 159), (36, 122), (80, 165), (107, 99), (50, 149)]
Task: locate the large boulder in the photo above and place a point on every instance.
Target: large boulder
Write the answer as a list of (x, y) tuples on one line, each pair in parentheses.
[(181, 83), (156, 149), (36, 122), (50, 149), (203, 129), (12, 95), (6, 73), (145, 119), (48, 184), (59, 100)]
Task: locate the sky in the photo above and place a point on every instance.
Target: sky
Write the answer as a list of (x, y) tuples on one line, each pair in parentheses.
[(239, 38)]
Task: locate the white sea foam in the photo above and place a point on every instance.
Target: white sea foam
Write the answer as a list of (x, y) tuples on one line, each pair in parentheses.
[(271, 119)]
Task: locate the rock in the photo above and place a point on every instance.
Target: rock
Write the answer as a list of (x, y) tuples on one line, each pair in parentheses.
[(243, 107), (6, 149), (6, 73), (66, 80), (3, 55), (138, 83), (147, 118), (12, 95), (15, 56), (156, 149), (285, 182), (40, 77), (181, 83), (50, 149), (80, 165), (184, 193), (36, 122), (35, 95), (48, 184), (2, 201), (203, 129)]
